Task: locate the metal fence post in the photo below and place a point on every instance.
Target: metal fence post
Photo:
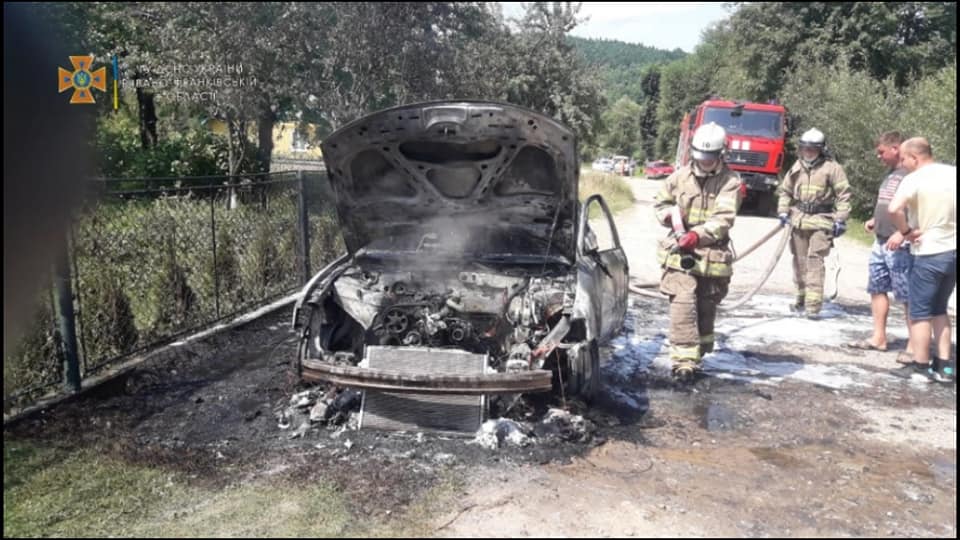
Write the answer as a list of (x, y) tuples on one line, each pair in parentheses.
[(213, 237), (66, 322), (78, 290), (304, 224)]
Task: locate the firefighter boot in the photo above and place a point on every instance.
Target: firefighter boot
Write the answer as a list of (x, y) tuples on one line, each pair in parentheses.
[(685, 372), (799, 303)]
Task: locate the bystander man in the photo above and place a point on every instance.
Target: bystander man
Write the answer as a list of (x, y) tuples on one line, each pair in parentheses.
[(889, 269), (929, 194)]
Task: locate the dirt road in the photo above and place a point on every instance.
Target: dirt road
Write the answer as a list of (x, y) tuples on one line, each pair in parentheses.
[(789, 434)]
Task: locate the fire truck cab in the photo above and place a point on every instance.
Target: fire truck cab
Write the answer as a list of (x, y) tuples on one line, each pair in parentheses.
[(756, 137)]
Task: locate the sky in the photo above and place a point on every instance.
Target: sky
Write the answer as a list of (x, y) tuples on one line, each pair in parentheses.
[(655, 24)]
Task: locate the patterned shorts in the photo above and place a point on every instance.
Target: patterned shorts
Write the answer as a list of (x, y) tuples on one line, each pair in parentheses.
[(890, 271)]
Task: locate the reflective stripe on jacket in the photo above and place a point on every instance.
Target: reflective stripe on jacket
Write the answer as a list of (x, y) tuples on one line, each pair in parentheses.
[(805, 189), (709, 208)]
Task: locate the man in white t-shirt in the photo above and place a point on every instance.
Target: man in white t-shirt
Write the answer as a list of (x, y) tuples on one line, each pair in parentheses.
[(929, 192)]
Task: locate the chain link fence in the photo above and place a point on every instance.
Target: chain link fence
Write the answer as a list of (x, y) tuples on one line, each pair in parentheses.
[(155, 259)]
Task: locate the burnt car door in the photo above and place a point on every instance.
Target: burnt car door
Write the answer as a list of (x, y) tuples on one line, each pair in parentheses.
[(602, 273)]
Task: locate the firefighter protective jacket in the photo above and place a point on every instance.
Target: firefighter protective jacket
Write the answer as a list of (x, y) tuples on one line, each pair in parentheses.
[(815, 197), (708, 207)]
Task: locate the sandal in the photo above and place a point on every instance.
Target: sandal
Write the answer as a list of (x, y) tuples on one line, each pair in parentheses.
[(865, 345), (905, 358)]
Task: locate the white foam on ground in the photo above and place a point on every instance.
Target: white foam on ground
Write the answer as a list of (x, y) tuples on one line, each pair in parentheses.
[(763, 322), (767, 320), (750, 368)]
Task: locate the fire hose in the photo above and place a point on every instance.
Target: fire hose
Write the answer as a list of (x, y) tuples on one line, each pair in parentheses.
[(640, 288)]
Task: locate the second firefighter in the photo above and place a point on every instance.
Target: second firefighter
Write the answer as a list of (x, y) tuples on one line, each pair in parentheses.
[(815, 199)]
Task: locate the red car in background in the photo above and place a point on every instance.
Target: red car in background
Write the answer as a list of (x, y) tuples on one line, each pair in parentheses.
[(658, 169)]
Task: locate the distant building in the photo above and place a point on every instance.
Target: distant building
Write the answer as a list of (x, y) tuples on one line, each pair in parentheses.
[(293, 149)]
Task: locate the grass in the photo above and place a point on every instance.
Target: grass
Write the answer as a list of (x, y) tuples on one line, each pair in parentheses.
[(79, 493), (614, 189), (50, 491), (855, 231)]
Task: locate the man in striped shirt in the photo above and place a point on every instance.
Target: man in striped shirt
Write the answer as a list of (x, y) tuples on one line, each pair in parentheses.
[(889, 269)]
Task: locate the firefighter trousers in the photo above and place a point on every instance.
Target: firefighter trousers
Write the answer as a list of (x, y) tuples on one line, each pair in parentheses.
[(809, 248), (693, 310)]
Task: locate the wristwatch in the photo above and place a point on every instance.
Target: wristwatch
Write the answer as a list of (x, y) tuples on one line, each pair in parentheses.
[(906, 232)]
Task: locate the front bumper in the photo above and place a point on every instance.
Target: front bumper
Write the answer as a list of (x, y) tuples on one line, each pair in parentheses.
[(760, 182), (395, 381)]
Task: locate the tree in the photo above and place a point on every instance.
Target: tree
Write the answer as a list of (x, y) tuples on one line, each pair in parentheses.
[(388, 54), (129, 32), (683, 85), (249, 44), (905, 40), (546, 73), (930, 110), (622, 123), (650, 85)]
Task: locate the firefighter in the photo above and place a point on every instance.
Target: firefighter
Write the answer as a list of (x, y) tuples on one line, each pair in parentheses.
[(815, 199), (699, 203)]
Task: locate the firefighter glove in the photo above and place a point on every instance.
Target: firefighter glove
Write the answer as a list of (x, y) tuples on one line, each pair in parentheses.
[(839, 227), (688, 241), (784, 219)]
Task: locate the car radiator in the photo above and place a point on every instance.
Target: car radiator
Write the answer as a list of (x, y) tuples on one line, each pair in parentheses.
[(401, 411)]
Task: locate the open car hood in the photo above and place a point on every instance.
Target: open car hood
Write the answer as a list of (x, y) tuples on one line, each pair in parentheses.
[(462, 175)]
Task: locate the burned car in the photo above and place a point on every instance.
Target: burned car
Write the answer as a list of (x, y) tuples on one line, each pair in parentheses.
[(470, 266)]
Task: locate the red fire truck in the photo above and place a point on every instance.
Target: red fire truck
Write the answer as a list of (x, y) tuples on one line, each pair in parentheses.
[(756, 134)]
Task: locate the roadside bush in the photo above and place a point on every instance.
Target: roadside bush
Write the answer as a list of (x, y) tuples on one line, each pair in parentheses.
[(107, 324), (145, 270), (326, 239), (196, 151), (35, 359), (228, 271), (614, 189), (930, 110), (174, 301), (264, 268)]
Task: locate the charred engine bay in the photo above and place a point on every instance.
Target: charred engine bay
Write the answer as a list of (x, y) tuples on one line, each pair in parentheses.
[(500, 315)]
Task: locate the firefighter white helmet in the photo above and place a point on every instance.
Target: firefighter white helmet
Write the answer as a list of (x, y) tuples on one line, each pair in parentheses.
[(811, 145), (708, 142), (707, 146), (812, 138)]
